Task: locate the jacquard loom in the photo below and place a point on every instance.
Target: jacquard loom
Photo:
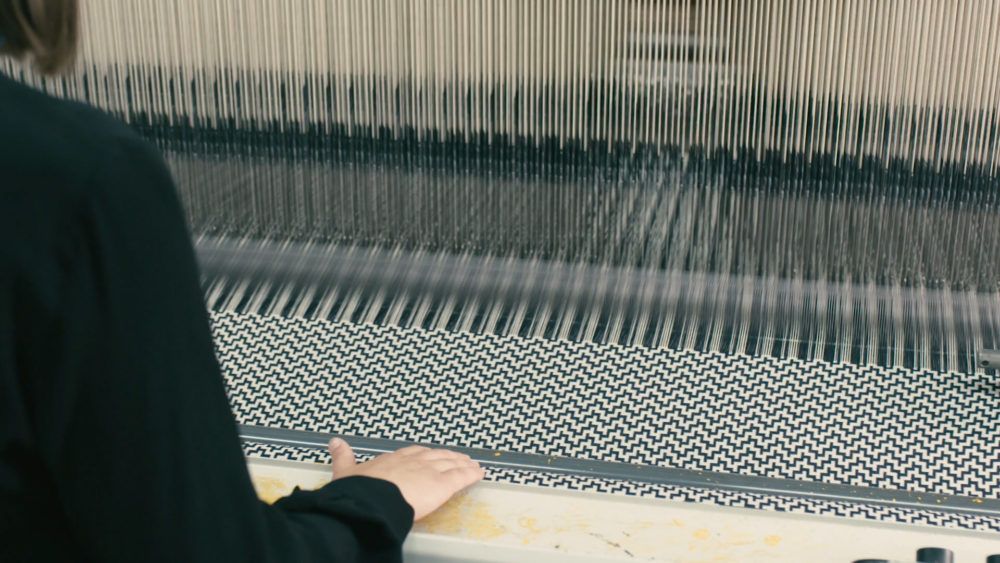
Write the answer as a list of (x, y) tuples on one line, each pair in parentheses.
[(694, 278)]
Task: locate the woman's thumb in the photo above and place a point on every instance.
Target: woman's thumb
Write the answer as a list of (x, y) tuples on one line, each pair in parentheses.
[(342, 457)]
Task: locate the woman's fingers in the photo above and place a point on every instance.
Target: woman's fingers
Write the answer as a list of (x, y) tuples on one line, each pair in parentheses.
[(429, 454), (342, 457), (462, 477), (412, 450), (445, 465), (426, 477)]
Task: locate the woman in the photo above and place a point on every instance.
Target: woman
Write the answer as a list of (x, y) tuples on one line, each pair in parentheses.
[(116, 438)]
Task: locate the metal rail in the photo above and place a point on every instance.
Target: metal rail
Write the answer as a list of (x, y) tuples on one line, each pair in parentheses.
[(651, 473), (989, 359)]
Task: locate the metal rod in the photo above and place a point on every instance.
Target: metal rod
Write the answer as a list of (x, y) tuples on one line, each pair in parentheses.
[(989, 359), (650, 473), (583, 285)]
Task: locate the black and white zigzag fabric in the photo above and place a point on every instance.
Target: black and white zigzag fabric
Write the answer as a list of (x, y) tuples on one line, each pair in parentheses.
[(834, 423)]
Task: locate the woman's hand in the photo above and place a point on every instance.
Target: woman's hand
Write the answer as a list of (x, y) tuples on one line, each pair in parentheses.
[(427, 478)]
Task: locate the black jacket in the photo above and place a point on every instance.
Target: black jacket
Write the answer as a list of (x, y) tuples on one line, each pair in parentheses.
[(116, 438)]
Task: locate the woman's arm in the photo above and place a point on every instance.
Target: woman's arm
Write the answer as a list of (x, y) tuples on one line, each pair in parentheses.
[(135, 425)]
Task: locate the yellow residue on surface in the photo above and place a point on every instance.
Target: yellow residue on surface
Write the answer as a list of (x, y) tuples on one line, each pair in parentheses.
[(772, 541), (741, 539), (270, 489), (702, 534), (530, 524), (462, 516)]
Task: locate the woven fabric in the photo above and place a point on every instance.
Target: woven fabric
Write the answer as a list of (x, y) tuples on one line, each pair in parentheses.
[(832, 423)]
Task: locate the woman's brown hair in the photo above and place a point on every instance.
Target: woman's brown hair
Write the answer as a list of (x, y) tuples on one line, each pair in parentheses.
[(45, 30)]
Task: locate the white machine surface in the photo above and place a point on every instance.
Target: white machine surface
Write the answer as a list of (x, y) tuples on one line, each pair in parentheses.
[(505, 522)]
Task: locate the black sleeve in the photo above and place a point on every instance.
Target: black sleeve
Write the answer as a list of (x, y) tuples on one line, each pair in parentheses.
[(135, 425)]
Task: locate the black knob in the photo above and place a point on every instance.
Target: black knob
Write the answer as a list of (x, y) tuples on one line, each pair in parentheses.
[(995, 558), (935, 555)]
